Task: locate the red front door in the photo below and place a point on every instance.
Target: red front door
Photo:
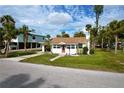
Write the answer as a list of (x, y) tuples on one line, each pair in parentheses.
[(63, 48)]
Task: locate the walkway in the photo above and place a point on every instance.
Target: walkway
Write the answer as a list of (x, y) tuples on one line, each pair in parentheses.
[(57, 57), (22, 57)]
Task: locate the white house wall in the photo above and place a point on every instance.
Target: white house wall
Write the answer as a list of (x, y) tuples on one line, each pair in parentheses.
[(15, 40), (56, 50), (70, 51), (67, 51)]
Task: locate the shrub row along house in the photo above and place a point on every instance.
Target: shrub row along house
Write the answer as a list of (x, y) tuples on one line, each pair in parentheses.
[(33, 41), (68, 46)]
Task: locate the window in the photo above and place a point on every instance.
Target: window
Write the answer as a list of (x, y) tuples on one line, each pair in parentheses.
[(68, 46), (56, 46), (72, 46), (33, 37), (80, 45)]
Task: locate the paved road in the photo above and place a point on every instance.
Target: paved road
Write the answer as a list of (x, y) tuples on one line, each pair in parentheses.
[(16, 74)]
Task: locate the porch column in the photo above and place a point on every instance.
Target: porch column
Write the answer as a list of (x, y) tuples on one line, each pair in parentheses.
[(88, 45), (35, 44), (31, 45), (17, 46), (76, 48), (43, 49)]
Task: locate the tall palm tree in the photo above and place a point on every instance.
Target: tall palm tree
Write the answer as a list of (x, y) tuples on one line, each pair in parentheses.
[(92, 31), (102, 35), (116, 27), (9, 31), (88, 28), (108, 36), (105, 36), (25, 31), (98, 9)]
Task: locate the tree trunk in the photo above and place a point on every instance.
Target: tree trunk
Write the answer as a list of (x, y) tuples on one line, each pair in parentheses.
[(108, 47), (102, 44), (97, 21), (7, 49), (88, 44), (94, 43), (25, 44), (116, 43), (97, 28)]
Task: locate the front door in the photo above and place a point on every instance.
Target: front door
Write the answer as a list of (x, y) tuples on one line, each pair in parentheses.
[(63, 48)]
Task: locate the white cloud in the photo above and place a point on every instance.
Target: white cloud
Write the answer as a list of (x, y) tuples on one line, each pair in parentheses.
[(59, 18), (111, 13), (53, 19)]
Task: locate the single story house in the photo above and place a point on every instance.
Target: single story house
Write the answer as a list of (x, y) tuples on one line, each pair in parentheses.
[(68, 46), (34, 41)]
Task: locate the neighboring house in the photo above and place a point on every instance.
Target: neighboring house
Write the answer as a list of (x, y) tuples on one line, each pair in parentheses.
[(34, 41), (69, 46)]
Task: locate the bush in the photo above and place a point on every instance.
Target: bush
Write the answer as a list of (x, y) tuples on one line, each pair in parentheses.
[(20, 53), (85, 50), (91, 51)]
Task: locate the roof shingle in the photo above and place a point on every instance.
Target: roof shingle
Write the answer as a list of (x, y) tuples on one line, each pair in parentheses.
[(70, 40)]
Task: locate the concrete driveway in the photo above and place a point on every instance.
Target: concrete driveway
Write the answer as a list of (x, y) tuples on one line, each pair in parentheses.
[(25, 75)]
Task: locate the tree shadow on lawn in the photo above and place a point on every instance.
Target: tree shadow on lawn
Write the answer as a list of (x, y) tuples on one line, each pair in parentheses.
[(18, 81)]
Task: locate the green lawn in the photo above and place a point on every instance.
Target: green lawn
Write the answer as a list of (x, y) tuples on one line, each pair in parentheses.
[(105, 61)]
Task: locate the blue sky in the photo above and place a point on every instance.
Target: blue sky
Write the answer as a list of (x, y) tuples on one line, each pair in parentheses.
[(55, 19)]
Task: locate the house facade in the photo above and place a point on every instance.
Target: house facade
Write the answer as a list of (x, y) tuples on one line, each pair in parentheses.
[(34, 41), (68, 46)]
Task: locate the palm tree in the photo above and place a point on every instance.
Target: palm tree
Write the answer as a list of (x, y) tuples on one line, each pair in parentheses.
[(98, 9), (25, 31), (116, 27), (92, 31), (48, 36), (7, 19), (105, 36), (88, 28), (1, 39), (47, 43), (102, 36), (9, 31), (108, 36), (1, 35)]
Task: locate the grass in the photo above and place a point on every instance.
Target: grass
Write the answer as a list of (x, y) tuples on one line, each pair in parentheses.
[(104, 61)]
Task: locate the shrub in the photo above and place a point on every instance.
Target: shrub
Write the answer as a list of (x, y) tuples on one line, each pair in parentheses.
[(85, 49), (91, 51), (20, 53)]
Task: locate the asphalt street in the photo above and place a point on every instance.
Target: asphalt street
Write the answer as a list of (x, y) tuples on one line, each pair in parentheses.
[(25, 75)]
